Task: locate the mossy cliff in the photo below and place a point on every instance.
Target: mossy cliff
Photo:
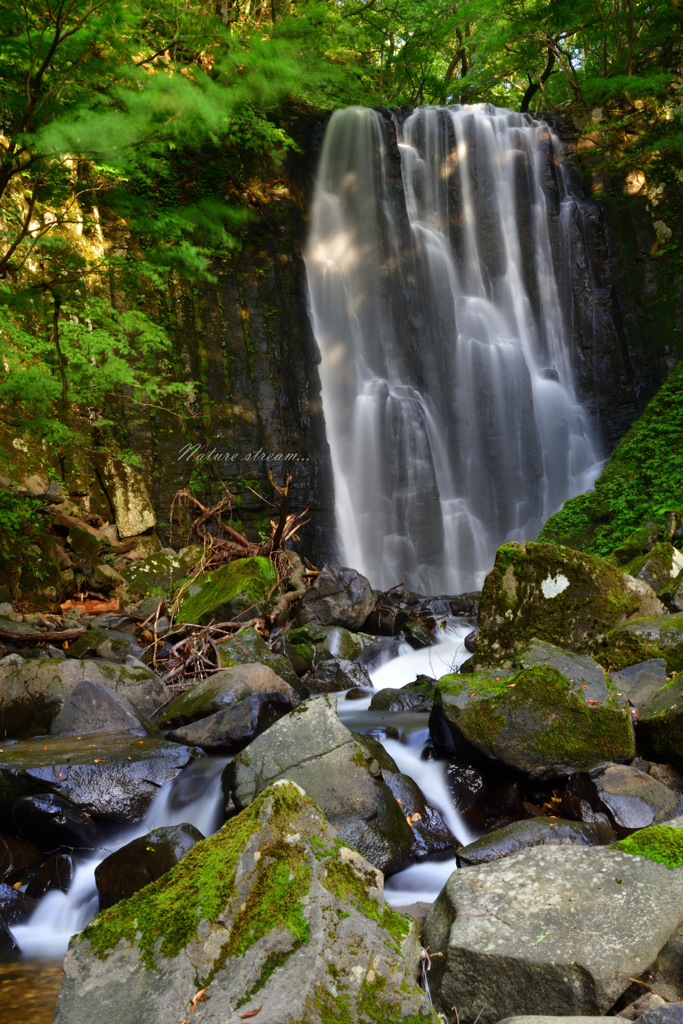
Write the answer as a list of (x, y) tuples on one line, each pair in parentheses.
[(272, 912), (642, 480)]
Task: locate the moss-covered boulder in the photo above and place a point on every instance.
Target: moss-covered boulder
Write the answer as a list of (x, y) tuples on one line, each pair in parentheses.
[(659, 636), (273, 915), (159, 572), (660, 723), (556, 594), (235, 591), (310, 746), (642, 479), (249, 646), (536, 721)]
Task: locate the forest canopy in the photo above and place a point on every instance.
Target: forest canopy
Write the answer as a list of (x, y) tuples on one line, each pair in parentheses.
[(131, 131)]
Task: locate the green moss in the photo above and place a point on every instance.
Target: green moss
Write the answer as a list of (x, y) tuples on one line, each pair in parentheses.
[(346, 883), (169, 910), (554, 723), (642, 480), (658, 842), (230, 589)]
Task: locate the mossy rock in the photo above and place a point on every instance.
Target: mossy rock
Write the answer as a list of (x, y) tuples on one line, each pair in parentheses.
[(314, 643), (556, 594), (660, 723), (638, 543), (642, 639), (658, 842), (159, 572), (641, 481), (239, 589), (243, 916), (221, 690), (249, 646), (536, 721), (659, 567)]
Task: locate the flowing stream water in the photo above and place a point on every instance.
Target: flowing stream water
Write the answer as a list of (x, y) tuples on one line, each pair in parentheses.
[(437, 262)]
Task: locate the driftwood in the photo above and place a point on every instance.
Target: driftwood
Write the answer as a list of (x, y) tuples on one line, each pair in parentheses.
[(64, 634)]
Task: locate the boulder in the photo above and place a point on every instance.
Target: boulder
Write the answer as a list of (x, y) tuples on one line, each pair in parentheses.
[(639, 682), (49, 821), (111, 776), (234, 727), (336, 674), (16, 855), (658, 568), (94, 707), (660, 723), (311, 747), (581, 669), (233, 592), (555, 930), (521, 835), (272, 915), (659, 636), (107, 644), (315, 643), (554, 593), (339, 597), (625, 796), (15, 906), (32, 693), (160, 571), (248, 646), (221, 690), (662, 844), (417, 696), (55, 875), (536, 720), (142, 861), (128, 495)]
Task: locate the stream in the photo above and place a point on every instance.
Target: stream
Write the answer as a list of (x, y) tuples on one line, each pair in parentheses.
[(29, 987)]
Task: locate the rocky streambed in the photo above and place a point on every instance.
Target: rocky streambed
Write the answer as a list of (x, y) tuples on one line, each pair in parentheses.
[(546, 765)]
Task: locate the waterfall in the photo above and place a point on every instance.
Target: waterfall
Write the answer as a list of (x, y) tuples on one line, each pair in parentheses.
[(437, 270)]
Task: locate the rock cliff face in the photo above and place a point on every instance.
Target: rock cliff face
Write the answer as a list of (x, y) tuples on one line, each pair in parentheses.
[(247, 340)]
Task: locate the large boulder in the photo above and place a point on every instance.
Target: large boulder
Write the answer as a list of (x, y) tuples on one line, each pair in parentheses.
[(339, 597), (160, 571), (221, 690), (94, 707), (32, 693), (335, 675), (128, 495), (536, 720), (111, 776), (556, 594), (641, 681), (311, 747), (660, 723), (552, 930), (651, 636), (272, 915), (233, 592)]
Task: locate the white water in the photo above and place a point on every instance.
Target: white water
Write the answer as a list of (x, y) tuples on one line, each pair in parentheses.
[(195, 797), (446, 361)]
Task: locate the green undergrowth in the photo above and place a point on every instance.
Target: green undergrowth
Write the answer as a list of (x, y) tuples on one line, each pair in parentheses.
[(642, 480), (658, 842)]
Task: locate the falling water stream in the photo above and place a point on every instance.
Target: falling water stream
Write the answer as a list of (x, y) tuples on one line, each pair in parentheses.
[(437, 269)]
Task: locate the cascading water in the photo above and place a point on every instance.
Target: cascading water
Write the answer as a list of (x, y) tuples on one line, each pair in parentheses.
[(446, 368)]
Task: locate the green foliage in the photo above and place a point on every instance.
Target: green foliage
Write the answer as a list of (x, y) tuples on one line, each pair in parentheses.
[(642, 480)]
